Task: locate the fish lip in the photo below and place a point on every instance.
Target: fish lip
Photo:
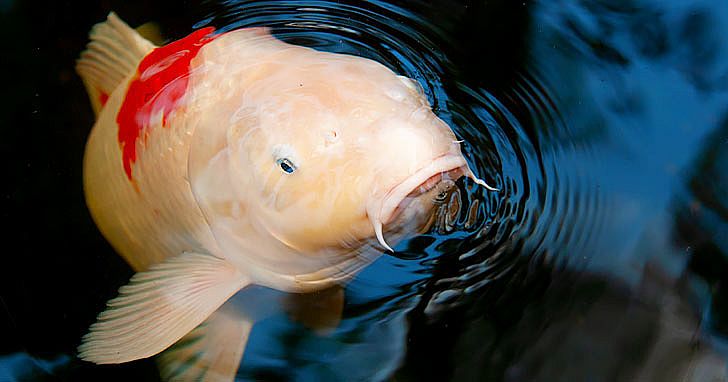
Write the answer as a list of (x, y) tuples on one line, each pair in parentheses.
[(397, 194)]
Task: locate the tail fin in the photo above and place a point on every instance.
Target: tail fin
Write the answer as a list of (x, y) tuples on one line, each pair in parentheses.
[(114, 52)]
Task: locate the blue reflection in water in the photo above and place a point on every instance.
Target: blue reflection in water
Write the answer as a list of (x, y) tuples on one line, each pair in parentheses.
[(22, 366)]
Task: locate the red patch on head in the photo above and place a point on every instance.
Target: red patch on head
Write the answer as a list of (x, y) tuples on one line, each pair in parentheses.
[(159, 85)]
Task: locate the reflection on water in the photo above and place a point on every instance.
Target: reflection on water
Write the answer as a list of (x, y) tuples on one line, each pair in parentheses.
[(701, 225), (605, 254)]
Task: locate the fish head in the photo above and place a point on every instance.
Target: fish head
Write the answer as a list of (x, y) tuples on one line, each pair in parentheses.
[(341, 146), (330, 151)]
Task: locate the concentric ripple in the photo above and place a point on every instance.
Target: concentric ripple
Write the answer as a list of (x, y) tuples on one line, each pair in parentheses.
[(544, 210), (548, 210)]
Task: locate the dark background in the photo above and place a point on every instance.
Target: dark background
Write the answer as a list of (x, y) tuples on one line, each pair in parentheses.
[(58, 269)]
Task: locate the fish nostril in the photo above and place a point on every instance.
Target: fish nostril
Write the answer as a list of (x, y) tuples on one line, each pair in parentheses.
[(331, 136)]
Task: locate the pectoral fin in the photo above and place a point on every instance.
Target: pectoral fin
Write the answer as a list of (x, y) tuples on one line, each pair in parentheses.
[(159, 306), (211, 352)]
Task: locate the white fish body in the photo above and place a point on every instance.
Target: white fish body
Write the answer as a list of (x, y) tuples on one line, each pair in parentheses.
[(219, 161)]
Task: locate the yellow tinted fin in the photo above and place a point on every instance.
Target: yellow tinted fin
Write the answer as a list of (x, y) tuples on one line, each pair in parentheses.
[(114, 53), (159, 306), (211, 352)]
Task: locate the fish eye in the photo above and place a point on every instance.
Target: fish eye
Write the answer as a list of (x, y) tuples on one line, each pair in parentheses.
[(286, 165)]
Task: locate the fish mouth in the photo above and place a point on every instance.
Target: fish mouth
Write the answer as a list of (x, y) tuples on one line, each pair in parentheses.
[(448, 166), (417, 184)]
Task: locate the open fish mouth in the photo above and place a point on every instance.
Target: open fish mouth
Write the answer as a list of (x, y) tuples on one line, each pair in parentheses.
[(435, 181), (448, 166)]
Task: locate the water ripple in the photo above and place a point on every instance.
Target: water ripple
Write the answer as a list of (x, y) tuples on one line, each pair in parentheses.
[(548, 208)]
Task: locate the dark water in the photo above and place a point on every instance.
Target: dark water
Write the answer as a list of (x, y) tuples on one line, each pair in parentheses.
[(604, 257)]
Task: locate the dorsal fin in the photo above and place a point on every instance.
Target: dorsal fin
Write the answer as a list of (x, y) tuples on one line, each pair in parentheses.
[(114, 52)]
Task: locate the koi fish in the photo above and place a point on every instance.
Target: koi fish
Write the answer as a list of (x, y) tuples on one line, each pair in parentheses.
[(222, 160)]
